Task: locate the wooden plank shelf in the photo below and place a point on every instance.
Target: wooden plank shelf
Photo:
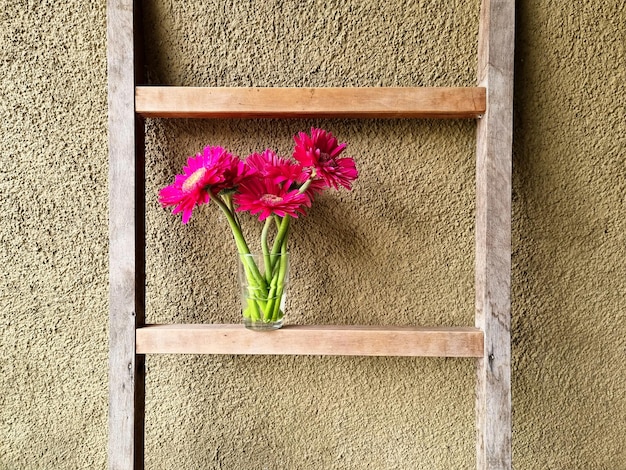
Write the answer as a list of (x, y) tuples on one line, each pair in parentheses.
[(316, 340), (196, 102)]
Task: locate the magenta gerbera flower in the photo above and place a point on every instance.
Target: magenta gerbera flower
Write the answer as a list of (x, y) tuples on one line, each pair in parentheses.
[(278, 169), (263, 196), (234, 171), (321, 151), (213, 170)]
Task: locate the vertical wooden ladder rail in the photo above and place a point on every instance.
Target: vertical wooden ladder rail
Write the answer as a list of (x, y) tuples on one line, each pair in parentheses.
[(126, 240), (493, 236)]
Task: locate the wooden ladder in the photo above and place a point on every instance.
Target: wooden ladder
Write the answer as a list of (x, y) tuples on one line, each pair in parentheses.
[(491, 103)]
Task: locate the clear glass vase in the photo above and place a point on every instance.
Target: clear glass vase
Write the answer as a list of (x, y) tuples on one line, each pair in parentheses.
[(263, 281)]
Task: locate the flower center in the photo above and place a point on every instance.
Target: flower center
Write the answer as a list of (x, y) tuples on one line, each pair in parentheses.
[(271, 199), (324, 157), (191, 182)]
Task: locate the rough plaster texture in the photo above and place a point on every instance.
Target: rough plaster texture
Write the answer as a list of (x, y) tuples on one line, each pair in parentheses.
[(53, 248), (397, 250)]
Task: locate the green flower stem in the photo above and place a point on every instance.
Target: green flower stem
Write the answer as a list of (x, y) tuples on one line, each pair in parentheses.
[(267, 259), (277, 285), (277, 222), (306, 185), (256, 307), (279, 242), (283, 226), (252, 310), (282, 272), (242, 246), (278, 279), (228, 198), (281, 235), (271, 301)]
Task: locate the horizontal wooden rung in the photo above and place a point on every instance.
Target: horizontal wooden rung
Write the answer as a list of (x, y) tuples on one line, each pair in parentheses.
[(193, 102), (311, 340)]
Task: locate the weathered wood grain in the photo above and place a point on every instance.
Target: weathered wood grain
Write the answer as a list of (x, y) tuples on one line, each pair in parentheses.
[(126, 258), (493, 234), (192, 102), (312, 340)]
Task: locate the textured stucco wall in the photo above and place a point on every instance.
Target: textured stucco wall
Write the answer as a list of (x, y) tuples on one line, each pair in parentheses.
[(397, 250), (53, 235)]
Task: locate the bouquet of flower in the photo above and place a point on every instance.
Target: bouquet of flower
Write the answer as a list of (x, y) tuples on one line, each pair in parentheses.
[(276, 189)]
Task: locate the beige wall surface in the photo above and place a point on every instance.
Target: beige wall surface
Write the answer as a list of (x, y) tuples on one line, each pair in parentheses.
[(398, 249)]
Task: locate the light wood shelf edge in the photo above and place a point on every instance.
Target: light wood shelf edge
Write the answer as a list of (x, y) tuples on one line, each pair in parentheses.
[(330, 340), (241, 102)]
